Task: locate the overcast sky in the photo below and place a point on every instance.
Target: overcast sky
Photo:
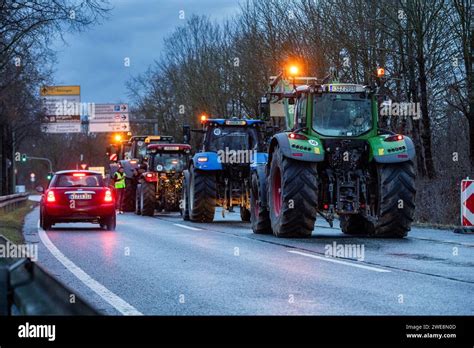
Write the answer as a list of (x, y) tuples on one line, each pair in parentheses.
[(94, 59)]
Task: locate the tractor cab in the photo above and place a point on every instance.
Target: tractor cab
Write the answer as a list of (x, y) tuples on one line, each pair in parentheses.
[(232, 134), (138, 145), (168, 158)]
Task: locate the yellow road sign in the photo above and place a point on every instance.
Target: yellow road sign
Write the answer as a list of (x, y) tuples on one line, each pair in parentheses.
[(60, 90)]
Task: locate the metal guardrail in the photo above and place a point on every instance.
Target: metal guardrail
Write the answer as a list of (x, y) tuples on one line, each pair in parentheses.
[(26, 288), (10, 202)]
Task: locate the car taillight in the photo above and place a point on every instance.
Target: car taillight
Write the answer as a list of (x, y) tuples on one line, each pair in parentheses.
[(50, 197), (108, 196), (297, 136), (396, 137)]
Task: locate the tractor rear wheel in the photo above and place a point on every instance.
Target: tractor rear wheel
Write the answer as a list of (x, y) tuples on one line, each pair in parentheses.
[(147, 199), (292, 196), (394, 207), (202, 195), (259, 218), (396, 200)]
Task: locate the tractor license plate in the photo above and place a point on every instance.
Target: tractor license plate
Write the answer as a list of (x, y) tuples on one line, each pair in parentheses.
[(80, 196), (343, 88)]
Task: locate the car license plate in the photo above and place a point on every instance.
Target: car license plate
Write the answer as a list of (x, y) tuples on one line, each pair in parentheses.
[(80, 196)]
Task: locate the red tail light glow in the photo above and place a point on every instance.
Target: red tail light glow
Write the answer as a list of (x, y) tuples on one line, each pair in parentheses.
[(297, 136), (79, 174), (396, 137), (108, 196), (50, 198)]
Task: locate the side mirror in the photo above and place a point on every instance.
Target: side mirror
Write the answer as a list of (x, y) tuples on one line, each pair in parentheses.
[(186, 134), (39, 189)]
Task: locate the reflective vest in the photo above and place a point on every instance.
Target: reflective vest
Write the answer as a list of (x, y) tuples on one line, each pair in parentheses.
[(119, 180)]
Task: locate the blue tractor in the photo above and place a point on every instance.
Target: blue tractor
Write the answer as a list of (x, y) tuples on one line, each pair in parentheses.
[(220, 173)]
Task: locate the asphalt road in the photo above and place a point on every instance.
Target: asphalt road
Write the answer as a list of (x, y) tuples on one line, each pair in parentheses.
[(164, 266)]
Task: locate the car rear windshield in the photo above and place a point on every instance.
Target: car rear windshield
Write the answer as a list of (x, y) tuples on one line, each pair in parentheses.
[(77, 180)]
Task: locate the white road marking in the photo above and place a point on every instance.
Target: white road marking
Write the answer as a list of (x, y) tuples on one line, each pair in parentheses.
[(331, 259), (115, 301), (189, 227)]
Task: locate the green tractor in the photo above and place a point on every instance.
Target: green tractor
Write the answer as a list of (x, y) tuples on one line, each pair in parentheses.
[(332, 160)]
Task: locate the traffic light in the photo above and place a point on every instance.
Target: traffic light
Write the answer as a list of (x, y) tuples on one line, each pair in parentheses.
[(49, 176), (24, 157)]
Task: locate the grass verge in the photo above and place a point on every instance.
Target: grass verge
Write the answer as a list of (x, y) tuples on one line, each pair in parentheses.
[(11, 223)]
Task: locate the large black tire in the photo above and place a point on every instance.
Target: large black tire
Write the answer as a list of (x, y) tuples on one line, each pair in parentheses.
[(292, 196), (109, 222), (128, 202), (147, 199), (259, 218), (185, 197), (138, 210), (202, 195), (396, 197), (395, 204)]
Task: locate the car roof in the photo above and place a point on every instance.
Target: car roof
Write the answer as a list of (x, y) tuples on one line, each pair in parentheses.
[(61, 172)]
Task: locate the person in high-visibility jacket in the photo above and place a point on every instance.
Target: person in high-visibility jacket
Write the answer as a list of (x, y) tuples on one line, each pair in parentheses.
[(119, 179)]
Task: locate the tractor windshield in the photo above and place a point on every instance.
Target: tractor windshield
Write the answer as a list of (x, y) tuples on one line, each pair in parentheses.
[(169, 162), (233, 138), (339, 114)]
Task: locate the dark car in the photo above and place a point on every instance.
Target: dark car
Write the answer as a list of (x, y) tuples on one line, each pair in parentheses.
[(77, 196)]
